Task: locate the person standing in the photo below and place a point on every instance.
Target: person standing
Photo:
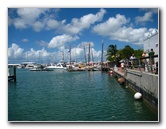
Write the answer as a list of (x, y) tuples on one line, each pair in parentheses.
[(132, 61), (132, 57), (151, 54), (151, 61), (144, 55), (144, 60)]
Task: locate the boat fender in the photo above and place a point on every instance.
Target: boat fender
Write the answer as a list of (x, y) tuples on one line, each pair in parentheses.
[(121, 80), (111, 72), (137, 95)]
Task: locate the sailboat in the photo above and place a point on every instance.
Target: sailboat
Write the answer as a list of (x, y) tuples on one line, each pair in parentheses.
[(55, 67)]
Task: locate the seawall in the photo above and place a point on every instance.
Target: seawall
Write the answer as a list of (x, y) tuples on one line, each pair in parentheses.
[(143, 82)]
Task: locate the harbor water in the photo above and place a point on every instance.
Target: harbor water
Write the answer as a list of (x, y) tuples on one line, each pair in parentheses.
[(73, 96)]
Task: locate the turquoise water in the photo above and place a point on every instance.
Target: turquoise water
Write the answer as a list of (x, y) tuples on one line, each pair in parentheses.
[(73, 96)]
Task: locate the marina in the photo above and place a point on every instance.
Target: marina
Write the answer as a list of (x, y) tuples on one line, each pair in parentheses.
[(131, 77), (92, 66)]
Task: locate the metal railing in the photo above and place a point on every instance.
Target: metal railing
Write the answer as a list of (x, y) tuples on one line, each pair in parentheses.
[(143, 64)]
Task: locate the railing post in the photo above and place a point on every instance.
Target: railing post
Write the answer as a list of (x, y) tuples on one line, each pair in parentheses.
[(151, 69), (146, 66), (156, 68), (139, 64)]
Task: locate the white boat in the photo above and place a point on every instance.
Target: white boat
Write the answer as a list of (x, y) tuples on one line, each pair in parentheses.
[(40, 68), (54, 67), (36, 69), (28, 65)]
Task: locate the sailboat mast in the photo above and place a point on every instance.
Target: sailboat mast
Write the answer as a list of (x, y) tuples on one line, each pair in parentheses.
[(85, 55), (89, 55), (63, 56), (102, 53), (92, 55), (70, 54)]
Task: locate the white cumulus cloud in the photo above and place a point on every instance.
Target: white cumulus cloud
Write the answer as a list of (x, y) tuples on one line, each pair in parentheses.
[(129, 34), (43, 56), (85, 44), (15, 51), (25, 40), (80, 53), (60, 40), (37, 18), (111, 25), (142, 19), (40, 18), (116, 28), (77, 25), (28, 17), (52, 24), (39, 56), (38, 26)]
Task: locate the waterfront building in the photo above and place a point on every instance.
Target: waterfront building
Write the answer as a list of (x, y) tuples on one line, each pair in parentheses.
[(152, 42)]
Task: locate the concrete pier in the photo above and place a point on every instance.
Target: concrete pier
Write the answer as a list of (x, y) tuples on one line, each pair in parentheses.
[(143, 82)]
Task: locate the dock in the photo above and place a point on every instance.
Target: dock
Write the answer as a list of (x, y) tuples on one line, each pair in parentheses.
[(140, 81)]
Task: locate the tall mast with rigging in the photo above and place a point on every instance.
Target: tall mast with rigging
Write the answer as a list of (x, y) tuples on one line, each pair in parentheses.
[(102, 54)]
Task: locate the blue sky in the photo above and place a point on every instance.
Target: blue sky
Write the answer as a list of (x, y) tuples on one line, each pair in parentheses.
[(42, 34)]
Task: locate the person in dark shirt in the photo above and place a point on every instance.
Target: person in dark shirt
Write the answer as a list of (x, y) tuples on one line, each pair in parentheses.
[(151, 53)]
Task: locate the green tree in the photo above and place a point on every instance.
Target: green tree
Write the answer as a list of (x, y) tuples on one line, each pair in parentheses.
[(111, 52), (138, 53), (127, 51), (120, 54)]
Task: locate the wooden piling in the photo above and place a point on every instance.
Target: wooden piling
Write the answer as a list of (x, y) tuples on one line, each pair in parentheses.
[(12, 77), (14, 74)]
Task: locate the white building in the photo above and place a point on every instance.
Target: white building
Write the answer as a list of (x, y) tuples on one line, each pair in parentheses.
[(152, 42)]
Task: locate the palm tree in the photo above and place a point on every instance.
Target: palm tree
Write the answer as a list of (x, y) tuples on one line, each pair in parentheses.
[(111, 52)]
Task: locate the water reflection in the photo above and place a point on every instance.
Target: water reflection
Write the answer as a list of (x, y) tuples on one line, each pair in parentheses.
[(138, 106)]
